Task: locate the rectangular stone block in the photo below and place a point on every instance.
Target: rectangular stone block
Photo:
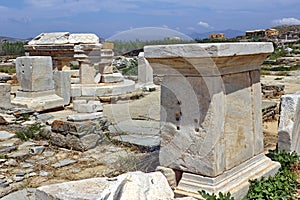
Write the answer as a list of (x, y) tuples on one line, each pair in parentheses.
[(87, 74), (145, 72), (289, 123), (112, 78), (5, 101), (62, 80), (83, 38), (35, 73)]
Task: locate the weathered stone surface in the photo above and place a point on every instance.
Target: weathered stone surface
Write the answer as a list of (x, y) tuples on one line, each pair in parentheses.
[(4, 135), (34, 73), (63, 163), (83, 38), (39, 101), (102, 89), (211, 119), (269, 110), (234, 181), (25, 194), (289, 123), (5, 95), (112, 78), (87, 73), (145, 71), (169, 174), (132, 185), (141, 133), (50, 38), (7, 119), (62, 82), (84, 116)]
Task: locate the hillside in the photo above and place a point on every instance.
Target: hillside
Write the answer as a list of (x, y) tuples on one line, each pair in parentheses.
[(229, 33), (10, 39), (286, 28)]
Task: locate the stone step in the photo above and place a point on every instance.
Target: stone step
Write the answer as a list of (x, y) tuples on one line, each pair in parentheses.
[(141, 133)]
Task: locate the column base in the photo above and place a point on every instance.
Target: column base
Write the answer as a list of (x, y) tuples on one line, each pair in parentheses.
[(38, 101), (234, 181)]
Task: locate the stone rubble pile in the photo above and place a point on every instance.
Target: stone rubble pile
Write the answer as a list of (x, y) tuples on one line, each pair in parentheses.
[(272, 91)]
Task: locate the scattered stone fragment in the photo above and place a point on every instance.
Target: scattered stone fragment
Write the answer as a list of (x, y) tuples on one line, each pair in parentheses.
[(23, 153), (44, 173), (4, 135), (7, 119), (2, 176), (48, 153), (19, 176), (8, 149), (132, 185), (32, 174), (11, 162), (36, 150), (2, 160), (4, 183), (26, 165), (63, 163)]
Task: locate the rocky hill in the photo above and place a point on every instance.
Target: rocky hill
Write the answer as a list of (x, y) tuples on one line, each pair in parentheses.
[(10, 39), (286, 28)]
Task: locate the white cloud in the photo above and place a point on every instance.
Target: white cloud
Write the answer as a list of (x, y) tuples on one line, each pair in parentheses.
[(165, 26), (287, 21), (204, 24)]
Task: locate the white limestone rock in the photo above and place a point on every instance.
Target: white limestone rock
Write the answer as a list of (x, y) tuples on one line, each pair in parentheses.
[(62, 80), (5, 101), (83, 38), (50, 38), (129, 186), (145, 72), (289, 123), (112, 78), (35, 73)]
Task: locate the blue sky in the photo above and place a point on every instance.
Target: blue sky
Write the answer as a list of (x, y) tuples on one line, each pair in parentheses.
[(28, 18)]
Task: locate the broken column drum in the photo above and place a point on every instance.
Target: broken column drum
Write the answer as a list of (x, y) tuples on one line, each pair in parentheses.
[(211, 121)]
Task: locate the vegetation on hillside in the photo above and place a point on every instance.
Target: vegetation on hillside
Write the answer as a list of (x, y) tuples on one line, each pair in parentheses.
[(12, 48), (125, 47), (283, 185)]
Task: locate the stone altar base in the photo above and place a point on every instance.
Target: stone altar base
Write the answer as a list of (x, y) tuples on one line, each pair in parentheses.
[(234, 181), (102, 89), (39, 101)]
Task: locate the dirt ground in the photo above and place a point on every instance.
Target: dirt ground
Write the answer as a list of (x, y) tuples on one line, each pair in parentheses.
[(270, 128)]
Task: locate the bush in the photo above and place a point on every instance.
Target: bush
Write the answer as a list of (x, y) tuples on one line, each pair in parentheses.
[(214, 197), (12, 48), (30, 132), (281, 186)]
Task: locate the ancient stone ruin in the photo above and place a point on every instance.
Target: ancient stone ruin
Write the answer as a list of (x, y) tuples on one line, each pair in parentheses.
[(35, 76), (211, 121)]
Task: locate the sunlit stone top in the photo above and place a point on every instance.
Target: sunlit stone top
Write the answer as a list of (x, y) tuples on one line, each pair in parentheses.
[(209, 49)]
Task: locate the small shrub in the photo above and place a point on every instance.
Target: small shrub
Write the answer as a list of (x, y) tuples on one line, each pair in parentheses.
[(286, 159), (31, 132), (214, 197), (283, 185)]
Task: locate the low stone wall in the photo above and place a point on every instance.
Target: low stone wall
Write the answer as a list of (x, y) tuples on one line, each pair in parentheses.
[(272, 91), (79, 136)]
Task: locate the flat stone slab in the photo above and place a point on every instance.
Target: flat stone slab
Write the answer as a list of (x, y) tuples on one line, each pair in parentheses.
[(141, 133), (135, 127), (149, 142), (25, 194), (63, 163), (4, 135), (132, 185), (102, 89)]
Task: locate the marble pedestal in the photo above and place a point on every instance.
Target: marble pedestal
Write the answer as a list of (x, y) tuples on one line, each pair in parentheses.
[(38, 101), (211, 121)]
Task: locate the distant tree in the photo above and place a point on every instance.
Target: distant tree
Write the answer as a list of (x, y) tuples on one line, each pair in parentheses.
[(12, 48)]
